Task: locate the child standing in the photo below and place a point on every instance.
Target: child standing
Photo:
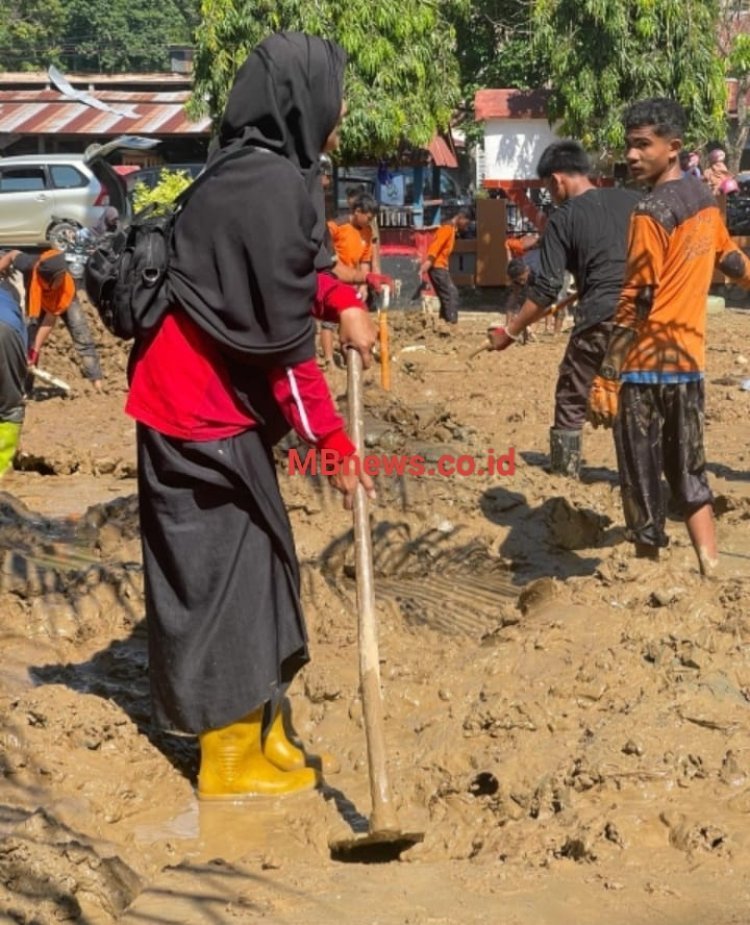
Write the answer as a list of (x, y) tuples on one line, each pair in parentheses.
[(655, 358)]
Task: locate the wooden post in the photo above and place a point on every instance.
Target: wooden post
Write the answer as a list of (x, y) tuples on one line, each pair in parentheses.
[(385, 356)]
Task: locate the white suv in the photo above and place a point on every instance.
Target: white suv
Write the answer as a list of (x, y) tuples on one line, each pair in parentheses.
[(39, 191)]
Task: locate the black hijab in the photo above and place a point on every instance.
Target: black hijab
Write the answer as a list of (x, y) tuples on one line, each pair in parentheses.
[(245, 245)]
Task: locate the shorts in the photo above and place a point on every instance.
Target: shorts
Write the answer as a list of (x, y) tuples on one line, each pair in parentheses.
[(659, 429)]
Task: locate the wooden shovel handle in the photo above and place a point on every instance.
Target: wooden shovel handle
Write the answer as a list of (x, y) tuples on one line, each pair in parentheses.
[(383, 817)]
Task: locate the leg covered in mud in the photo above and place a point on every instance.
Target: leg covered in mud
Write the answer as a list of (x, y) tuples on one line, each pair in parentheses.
[(659, 429), (579, 365), (80, 333)]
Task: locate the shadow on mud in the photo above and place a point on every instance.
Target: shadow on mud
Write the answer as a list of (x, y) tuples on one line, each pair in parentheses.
[(119, 674), (545, 541)]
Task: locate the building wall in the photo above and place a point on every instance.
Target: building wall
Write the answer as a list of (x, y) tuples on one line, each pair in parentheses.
[(512, 148)]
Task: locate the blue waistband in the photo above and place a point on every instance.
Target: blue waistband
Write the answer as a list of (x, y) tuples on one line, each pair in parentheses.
[(656, 377)]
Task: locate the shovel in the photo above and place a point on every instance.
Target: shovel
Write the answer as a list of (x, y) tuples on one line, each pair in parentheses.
[(384, 840)]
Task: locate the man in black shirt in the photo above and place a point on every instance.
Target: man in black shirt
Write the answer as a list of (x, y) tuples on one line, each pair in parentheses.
[(587, 236)]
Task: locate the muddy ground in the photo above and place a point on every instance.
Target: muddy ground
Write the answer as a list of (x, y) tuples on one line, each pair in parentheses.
[(568, 727)]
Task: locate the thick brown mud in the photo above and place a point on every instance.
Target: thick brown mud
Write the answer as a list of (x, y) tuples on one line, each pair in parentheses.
[(569, 727)]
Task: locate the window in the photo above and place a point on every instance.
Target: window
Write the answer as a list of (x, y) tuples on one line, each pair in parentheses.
[(66, 177), (22, 179)]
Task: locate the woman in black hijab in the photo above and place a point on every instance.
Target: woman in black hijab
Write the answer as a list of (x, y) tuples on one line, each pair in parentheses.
[(228, 370)]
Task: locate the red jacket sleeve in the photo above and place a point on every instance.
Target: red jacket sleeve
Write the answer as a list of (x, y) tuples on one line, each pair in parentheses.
[(302, 393), (333, 297)]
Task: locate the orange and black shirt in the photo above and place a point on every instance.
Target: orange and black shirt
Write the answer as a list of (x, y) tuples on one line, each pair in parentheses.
[(677, 239)]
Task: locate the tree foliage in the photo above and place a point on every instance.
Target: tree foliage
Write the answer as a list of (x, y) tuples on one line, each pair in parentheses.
[(734, 45), (171, 184), (30, 33), (108, 36), (93, 35), (402, 79), (605, 54), (495, 49)]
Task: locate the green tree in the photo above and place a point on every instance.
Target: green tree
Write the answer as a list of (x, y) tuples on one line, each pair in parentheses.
[(495, 49), (29, 33), (402, 79), (605, 54), (734, 45), (108, 36), (162, 196)]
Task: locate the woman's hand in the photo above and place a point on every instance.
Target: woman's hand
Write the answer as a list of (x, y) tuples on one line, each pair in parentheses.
[(357, 331), (348, 476)]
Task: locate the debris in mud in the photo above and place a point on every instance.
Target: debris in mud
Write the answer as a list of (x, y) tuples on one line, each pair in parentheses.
[(572, 527), (537, 595), (49, 874)]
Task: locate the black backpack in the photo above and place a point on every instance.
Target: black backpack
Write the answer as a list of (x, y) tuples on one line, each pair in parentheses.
[(126, 275)]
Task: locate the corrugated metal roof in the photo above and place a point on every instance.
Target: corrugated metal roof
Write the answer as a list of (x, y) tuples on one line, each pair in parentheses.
[(44, 112), (441, 152)]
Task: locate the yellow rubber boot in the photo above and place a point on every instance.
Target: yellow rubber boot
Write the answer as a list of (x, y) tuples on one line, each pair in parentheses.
[(233, 765), (9, 436), (287, 756)]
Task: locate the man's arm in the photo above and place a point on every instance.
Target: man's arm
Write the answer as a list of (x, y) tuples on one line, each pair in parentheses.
[(6, 261), (730, 260)]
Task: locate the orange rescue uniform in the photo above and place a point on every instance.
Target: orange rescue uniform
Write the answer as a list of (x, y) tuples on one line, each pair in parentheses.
[(442, 246), (677, 239), (353, 245)]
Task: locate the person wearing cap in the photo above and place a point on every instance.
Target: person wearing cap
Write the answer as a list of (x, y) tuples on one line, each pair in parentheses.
[(51, 294)]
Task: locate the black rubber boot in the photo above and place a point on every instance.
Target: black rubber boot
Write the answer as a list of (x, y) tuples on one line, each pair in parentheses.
[(565, 452)]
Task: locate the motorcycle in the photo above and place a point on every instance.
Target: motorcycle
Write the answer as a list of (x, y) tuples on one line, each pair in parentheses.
[(77, 244)]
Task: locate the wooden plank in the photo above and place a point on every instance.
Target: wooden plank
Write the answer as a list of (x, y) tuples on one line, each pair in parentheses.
[(491, 254)]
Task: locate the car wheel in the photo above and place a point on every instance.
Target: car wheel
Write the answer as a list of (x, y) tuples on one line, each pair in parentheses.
[(62, 235)]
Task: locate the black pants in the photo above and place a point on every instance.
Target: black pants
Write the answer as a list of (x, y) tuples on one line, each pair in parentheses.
[(74, 319), (12, 374), (659, 429), (581, 362), (446, 291)]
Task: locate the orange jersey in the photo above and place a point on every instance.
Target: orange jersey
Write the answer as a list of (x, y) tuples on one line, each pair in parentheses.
[(677, 238), (442, 246), (353, 245)]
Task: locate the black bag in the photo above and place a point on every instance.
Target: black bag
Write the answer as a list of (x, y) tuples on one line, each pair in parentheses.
[(126, 276)]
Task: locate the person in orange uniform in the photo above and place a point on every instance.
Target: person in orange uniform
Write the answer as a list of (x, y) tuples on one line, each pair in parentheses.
[(436, 264), (352, 240), (51, 294), (653, 368)]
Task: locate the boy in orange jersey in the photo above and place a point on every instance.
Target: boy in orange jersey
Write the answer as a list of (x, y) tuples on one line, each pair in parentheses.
[(436, 264), (353, 240), (654, 364)]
